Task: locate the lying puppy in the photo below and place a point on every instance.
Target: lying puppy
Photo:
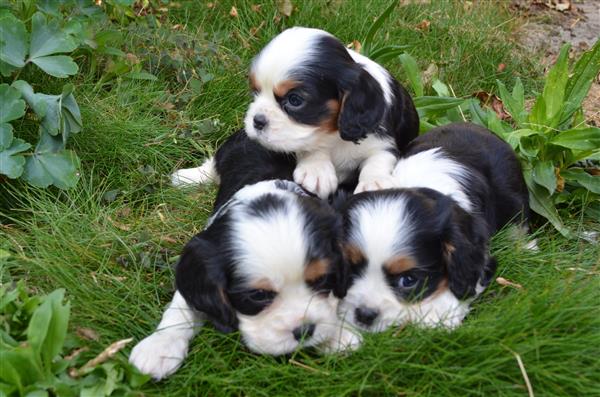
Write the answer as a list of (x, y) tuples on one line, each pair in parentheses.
[(335, 110), (420, 253), (268, 263)]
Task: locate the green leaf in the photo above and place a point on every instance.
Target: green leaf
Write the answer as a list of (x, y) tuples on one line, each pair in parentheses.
[(579, 139), (20, 366), (57, 327), (60, 66), (543, 174), (48, 38), (11, 162), (412, 72), (38, 326), (540, 201), (440, 88), (12, 106), (556, 82), (590, 182), (6, 69), (383, 54), (514, 138), (584, 72), (13, 39), (368, 40), (59, 169), (515, 102), (428, 104)]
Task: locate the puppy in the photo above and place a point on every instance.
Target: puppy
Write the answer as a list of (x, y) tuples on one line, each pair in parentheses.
[(268, 264), (421, 253), (335, 110)]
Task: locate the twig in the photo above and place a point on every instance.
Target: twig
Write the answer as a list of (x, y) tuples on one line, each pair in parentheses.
[(459, 108), (299, 364), (524, 373), (108, 353)]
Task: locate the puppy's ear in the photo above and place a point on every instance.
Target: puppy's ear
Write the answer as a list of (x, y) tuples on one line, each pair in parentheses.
[(465, 245), (363, 105), (202, 281)]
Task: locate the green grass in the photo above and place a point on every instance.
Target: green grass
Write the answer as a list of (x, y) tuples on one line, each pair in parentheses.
[(115, 257)]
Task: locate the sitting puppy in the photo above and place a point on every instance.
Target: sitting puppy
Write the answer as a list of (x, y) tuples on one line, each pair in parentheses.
[(335, 110), (268, 263), (420, 253)]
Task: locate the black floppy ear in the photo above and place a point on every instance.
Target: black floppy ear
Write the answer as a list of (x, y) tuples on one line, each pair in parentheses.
[(363, 105), (465, 245), (342, 275), (202, 281)]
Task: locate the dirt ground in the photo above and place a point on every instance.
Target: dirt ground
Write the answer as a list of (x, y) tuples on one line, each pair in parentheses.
[(551, 23)]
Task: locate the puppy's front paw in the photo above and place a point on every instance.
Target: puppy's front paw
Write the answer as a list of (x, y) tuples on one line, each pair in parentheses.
[(196, 176), (379, 183), (159, 355), (344, 340), (317, 177)]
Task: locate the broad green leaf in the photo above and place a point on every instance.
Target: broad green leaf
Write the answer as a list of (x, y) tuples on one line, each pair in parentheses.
[(440, 88), (12, 106), (514, 138), (6, 69), (515, 102), (13, 39), (57, 328), (60, 66), (590, 182), (584, 72), (540, 201), (59, 169), (47, 38), (427, 104), (478, 115), (20, 366), (579, 139), (543, 174), (368, 40), (412, 72), (11, 162), (556, 82), (38, 326)]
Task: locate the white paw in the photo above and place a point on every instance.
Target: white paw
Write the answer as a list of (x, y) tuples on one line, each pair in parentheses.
[(160, 354), (345, 340), (195, 176), (317, 177), (378, 183)]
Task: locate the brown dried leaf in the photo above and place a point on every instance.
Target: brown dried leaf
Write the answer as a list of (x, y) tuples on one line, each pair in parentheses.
[(256, 7), (355, 45), (423, 25), (108, 353), (501, 68), (119, 225), (210, 5), (430, 73), (87, 333), (504, 282), (285, 7), (233, 12), (560, 181)]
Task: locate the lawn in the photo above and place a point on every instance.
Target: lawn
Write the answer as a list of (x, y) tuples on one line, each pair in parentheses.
[(112, 241)]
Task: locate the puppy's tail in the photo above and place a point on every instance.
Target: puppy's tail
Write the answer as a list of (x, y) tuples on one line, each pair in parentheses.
[(206, 173)]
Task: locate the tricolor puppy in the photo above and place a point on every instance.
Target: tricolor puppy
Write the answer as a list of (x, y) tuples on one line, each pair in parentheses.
[(421, 253), (337, 111), (268, 264)]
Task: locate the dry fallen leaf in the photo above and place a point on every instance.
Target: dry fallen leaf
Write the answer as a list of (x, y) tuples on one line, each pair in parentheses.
[(76, 353), (355, 45), (430, 73), (87, 333), (423, 25), (233, 12), (210, 5), (501, 68), (119, 225), (256, 7), (108, 353), (504, 282), (560, 181), (285, 7)]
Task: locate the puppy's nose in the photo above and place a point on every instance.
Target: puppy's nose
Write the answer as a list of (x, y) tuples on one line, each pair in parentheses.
[(365, 315), (260, 121), (304, 331)]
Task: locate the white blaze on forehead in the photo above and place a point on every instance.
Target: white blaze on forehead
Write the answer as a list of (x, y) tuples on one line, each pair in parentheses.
[(381, 228), (287, 51), (273, 245), (431, 169)]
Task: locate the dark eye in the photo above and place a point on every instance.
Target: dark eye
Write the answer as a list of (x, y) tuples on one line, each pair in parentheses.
[(261, 296), (407, 281), (295, 100)]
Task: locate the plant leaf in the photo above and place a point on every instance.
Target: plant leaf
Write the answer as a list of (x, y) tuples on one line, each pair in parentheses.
[(412, 72), (515, 102), (383, 54), (12, 106), (368, 40), (13, 39), (590, 182), (11, 162), (38, 326), (579, 139), (57, 327), (440, 88), (543, 174), (556, 82), (46, 168), (60, 66), (541, 202), (48, 38)]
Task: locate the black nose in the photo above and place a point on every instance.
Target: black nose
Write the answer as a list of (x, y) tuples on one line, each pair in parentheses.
[(260, 121), (365, 315), (304, 331)]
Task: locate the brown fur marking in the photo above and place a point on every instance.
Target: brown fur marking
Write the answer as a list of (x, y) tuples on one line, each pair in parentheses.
[(353, 254), (283, 87), (399, 264), (316, 269)]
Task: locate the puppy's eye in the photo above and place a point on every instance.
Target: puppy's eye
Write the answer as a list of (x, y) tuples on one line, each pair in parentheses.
[(407, 281), (261, 296), (295, 100)]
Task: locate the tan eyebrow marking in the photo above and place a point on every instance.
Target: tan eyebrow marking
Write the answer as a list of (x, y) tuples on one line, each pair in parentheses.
[(284, 86), (315, 269), (262, 283), (330, 123), (353, 254), (399, 264)]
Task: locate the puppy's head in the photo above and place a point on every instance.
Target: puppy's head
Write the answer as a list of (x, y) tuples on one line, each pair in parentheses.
[(270, 265), (308, 89), (414, 255)]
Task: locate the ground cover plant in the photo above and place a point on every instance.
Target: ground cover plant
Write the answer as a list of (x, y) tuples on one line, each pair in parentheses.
[(111, 241)]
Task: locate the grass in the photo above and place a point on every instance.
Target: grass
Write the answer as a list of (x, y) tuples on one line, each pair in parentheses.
[(112, 240)]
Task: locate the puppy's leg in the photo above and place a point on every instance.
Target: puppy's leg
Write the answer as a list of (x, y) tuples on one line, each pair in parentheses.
[(345, 338), (376, 172), (316, 173), (162, 353), (207, 172)]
